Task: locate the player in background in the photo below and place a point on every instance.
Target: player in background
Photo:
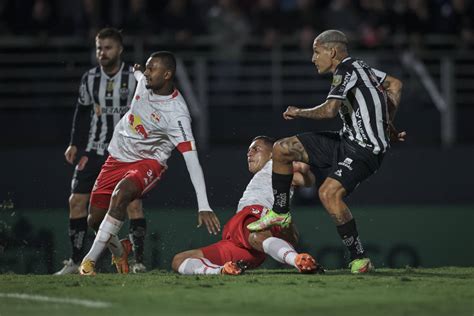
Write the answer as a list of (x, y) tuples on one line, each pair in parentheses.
[(158, 122), (346, 158), (239, 249), (105, 94)]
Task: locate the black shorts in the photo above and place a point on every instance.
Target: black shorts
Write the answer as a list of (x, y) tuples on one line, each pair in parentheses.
[(86, 171), (332, 156)]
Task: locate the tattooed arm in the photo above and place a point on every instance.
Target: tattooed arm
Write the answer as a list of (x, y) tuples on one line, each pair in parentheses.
[(326, 110), (393, 86)]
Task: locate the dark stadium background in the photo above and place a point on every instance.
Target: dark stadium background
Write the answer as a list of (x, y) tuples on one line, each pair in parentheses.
[(243, 63)]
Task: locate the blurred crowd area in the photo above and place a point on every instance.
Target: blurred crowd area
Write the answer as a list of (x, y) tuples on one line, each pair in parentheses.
[(370, 23)]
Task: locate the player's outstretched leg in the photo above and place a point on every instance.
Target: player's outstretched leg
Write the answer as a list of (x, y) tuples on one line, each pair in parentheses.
[(284, 152), (283, 252)]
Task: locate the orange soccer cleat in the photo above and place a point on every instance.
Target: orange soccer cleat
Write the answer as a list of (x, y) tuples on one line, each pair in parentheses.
[(305, 263), (231, 268), (121, 263)]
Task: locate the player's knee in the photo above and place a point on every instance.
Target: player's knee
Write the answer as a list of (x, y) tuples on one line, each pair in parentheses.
[(120, 199), (280, 153), (93, 222), (177, 261), (327, 194), (77, 205), (256, 239)]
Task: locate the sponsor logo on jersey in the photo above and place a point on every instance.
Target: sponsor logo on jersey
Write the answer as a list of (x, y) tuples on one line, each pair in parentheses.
[(109, 89), (338, 172), (83, 94), (109, 110), (185, 138), (346, 163), (336, 80), (123, 92), (155, 117), (135, 123)]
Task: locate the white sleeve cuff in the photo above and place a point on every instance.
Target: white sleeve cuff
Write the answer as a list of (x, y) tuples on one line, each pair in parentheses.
[(197, 178)]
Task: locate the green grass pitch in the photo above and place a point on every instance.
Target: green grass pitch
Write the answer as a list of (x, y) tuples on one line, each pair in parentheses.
[(440, 291)]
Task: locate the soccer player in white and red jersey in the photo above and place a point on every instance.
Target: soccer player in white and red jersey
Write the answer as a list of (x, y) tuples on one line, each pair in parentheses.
[(158, 121), (238, 244)]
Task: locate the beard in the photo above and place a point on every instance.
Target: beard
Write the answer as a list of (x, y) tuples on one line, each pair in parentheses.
[(109, 62)]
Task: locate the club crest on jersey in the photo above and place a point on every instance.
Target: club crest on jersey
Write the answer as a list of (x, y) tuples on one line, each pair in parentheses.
[(135, 123), (110, 86), (336, 80), (123, 93), (155, 117)]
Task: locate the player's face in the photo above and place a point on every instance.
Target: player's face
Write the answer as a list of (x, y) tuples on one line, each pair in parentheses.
[(258, 155), (156, 74), (321, 57), (107, 51)]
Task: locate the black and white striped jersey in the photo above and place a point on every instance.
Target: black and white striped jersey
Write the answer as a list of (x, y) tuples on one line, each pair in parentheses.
[(364, 110), (102, 101)]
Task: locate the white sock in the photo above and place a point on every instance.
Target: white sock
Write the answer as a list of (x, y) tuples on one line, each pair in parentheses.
[(280, 250), (108, 231), (198, 266), (115, 246)]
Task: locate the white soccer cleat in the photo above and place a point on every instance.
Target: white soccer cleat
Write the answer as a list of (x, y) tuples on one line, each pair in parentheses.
[(69, 268), (137, 267)]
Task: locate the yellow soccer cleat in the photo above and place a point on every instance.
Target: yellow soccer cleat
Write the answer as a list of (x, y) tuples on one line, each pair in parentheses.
[(87, 267), (270, 219)]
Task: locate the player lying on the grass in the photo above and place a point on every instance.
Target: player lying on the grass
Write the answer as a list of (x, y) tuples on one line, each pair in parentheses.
[(238, 245)]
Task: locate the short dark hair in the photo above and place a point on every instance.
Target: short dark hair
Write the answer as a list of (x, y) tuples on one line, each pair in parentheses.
[(110, 32), (266, 139), (167, 59)]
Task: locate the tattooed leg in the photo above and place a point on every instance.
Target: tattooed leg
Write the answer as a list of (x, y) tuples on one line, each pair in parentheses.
[(285, 151)]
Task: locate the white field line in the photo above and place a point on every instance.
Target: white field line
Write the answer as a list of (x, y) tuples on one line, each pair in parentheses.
[(60, 300)]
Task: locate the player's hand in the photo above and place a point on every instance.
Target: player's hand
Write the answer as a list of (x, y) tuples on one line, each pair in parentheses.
[(291, 113), (137, 67), (70, 154), (395, 135), (210, 220)]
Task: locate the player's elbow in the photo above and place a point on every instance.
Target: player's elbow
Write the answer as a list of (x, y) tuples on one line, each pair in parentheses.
[(331, 111)]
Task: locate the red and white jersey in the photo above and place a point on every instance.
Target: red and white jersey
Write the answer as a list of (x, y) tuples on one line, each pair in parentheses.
[(153, 127), (259, 190)]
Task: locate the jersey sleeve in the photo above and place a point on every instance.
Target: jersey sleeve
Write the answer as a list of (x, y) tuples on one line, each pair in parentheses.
[(343, 80), (181, 134), (85, 97), (379, 74)]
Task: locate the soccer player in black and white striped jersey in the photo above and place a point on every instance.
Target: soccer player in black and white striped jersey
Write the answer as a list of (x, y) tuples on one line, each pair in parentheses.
[(366, 100), (105, 95)]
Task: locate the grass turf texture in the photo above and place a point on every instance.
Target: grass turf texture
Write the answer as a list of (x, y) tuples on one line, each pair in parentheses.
[(440, 291)]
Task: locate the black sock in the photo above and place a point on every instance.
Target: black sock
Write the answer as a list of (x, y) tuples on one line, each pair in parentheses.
[(350, 238), (281, 192), (77, 234), (137, 233)]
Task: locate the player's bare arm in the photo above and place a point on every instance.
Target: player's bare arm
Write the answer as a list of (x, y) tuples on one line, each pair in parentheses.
[(393, 86), (70, 154), (328, 109), (210, 220)]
